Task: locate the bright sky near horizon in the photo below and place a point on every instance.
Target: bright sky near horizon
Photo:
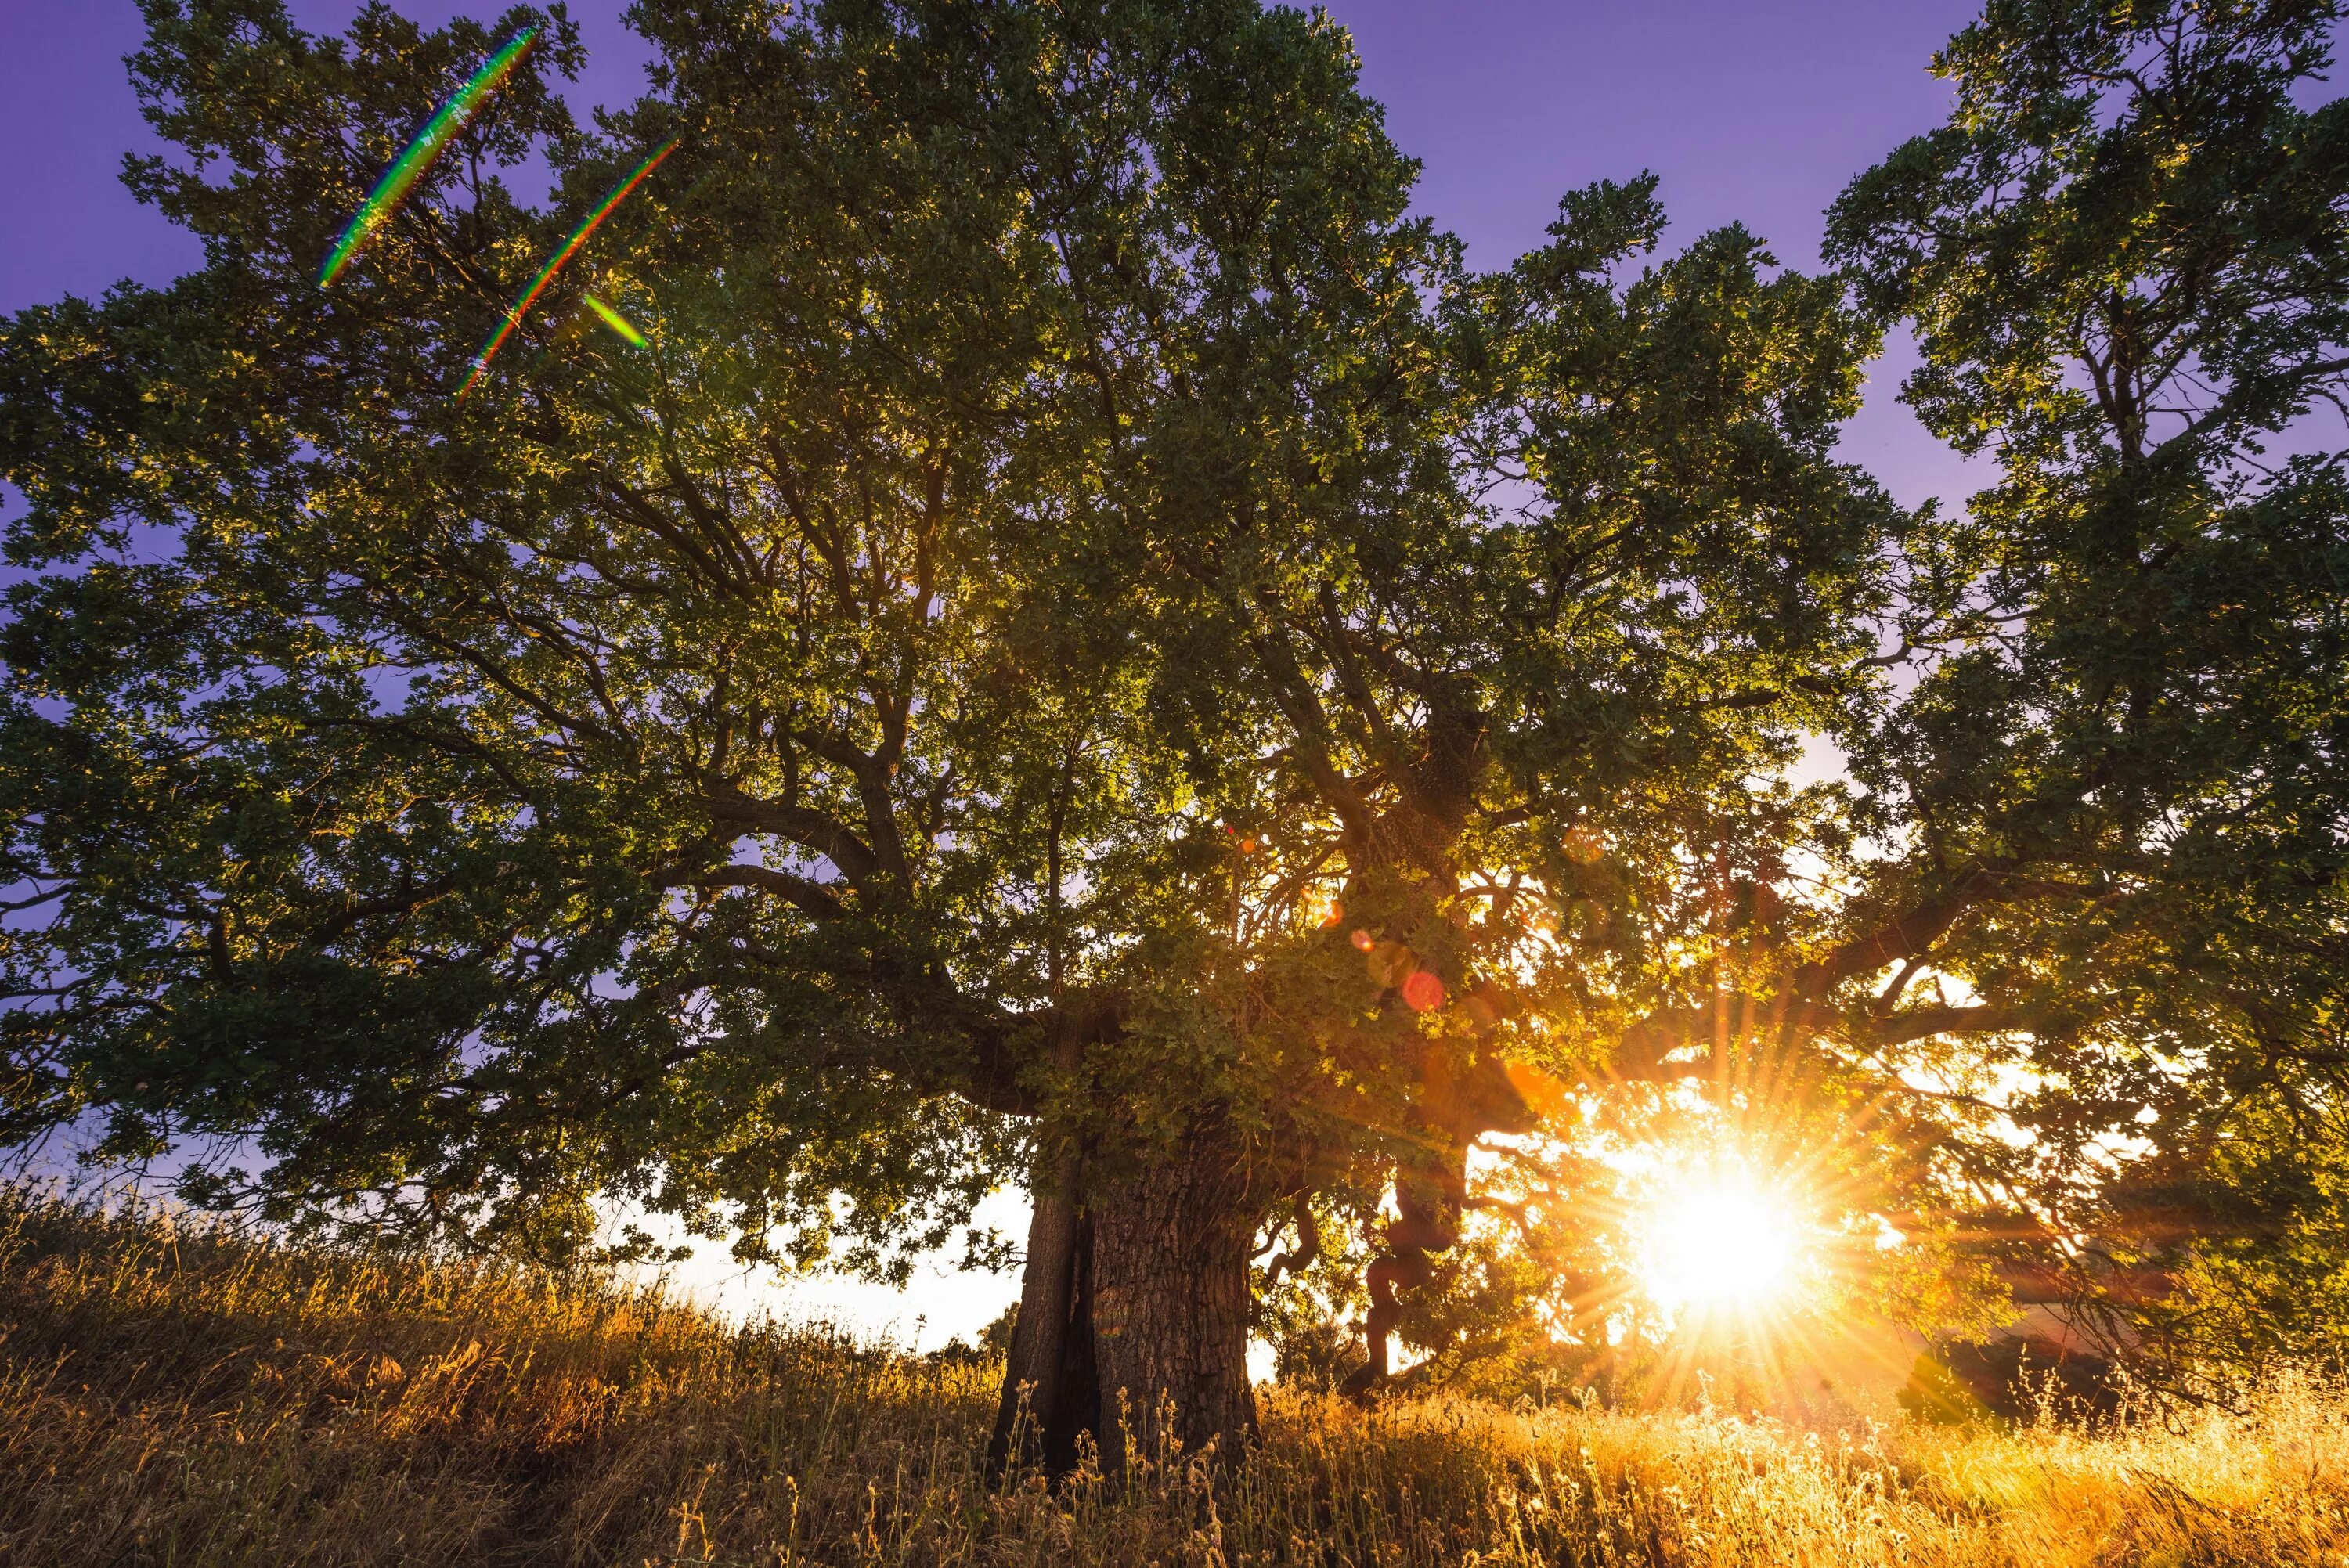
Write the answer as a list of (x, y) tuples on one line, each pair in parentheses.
[(1756, 111)]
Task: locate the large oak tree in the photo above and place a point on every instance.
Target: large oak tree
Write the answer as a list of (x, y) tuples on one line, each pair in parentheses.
[(1087, 647)]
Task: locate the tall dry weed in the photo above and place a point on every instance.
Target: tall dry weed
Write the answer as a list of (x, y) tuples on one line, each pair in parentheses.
[(173, 1395)]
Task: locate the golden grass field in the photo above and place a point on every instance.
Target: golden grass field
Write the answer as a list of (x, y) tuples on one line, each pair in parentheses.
[(173, 1395)]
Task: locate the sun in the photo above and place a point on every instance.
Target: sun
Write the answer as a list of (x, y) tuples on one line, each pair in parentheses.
[(1721, 1246)]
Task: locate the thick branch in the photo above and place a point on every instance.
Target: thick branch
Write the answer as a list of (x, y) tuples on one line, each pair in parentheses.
[(809, 829), (805, 893)]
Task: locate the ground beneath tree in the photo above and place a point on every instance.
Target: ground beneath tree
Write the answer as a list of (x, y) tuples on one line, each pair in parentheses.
[(170, 1395)]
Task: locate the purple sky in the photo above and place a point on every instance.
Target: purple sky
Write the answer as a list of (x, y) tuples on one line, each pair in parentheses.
[(1757, 110)]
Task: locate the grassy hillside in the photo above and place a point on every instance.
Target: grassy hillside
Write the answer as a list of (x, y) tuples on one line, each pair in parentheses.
[(190, 1399)]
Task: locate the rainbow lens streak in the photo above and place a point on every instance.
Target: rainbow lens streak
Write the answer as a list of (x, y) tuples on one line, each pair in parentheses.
[(537, 286), (617, 322), (411, 165)]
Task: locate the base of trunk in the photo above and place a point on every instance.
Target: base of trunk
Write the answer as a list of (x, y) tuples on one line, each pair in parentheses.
[(1134, 1318), (1050, 1393)]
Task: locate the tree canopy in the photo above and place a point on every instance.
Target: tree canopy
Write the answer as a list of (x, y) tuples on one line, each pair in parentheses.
[(2119, 778), (1088, 647)]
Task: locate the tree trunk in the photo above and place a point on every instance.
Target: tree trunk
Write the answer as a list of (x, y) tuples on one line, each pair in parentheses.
[(1049, 1391), (1132, 1305), (1170, 1305)]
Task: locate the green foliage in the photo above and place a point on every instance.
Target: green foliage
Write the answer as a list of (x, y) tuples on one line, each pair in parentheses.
[(1085, 634), (2116, 784), (1068, 528)]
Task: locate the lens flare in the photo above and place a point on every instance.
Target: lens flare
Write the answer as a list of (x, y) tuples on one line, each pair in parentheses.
[(1390, 962), (411, 165), (1539, 1089), (537, 285), (617, 322), (1422, 991)]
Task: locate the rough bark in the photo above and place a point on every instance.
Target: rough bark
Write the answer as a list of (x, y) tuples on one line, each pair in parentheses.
[(1049, 1391), (1170, 1305), (1136, 1303)]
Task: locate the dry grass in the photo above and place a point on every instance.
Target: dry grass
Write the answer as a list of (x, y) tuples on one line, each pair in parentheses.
[(197, 1399)]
